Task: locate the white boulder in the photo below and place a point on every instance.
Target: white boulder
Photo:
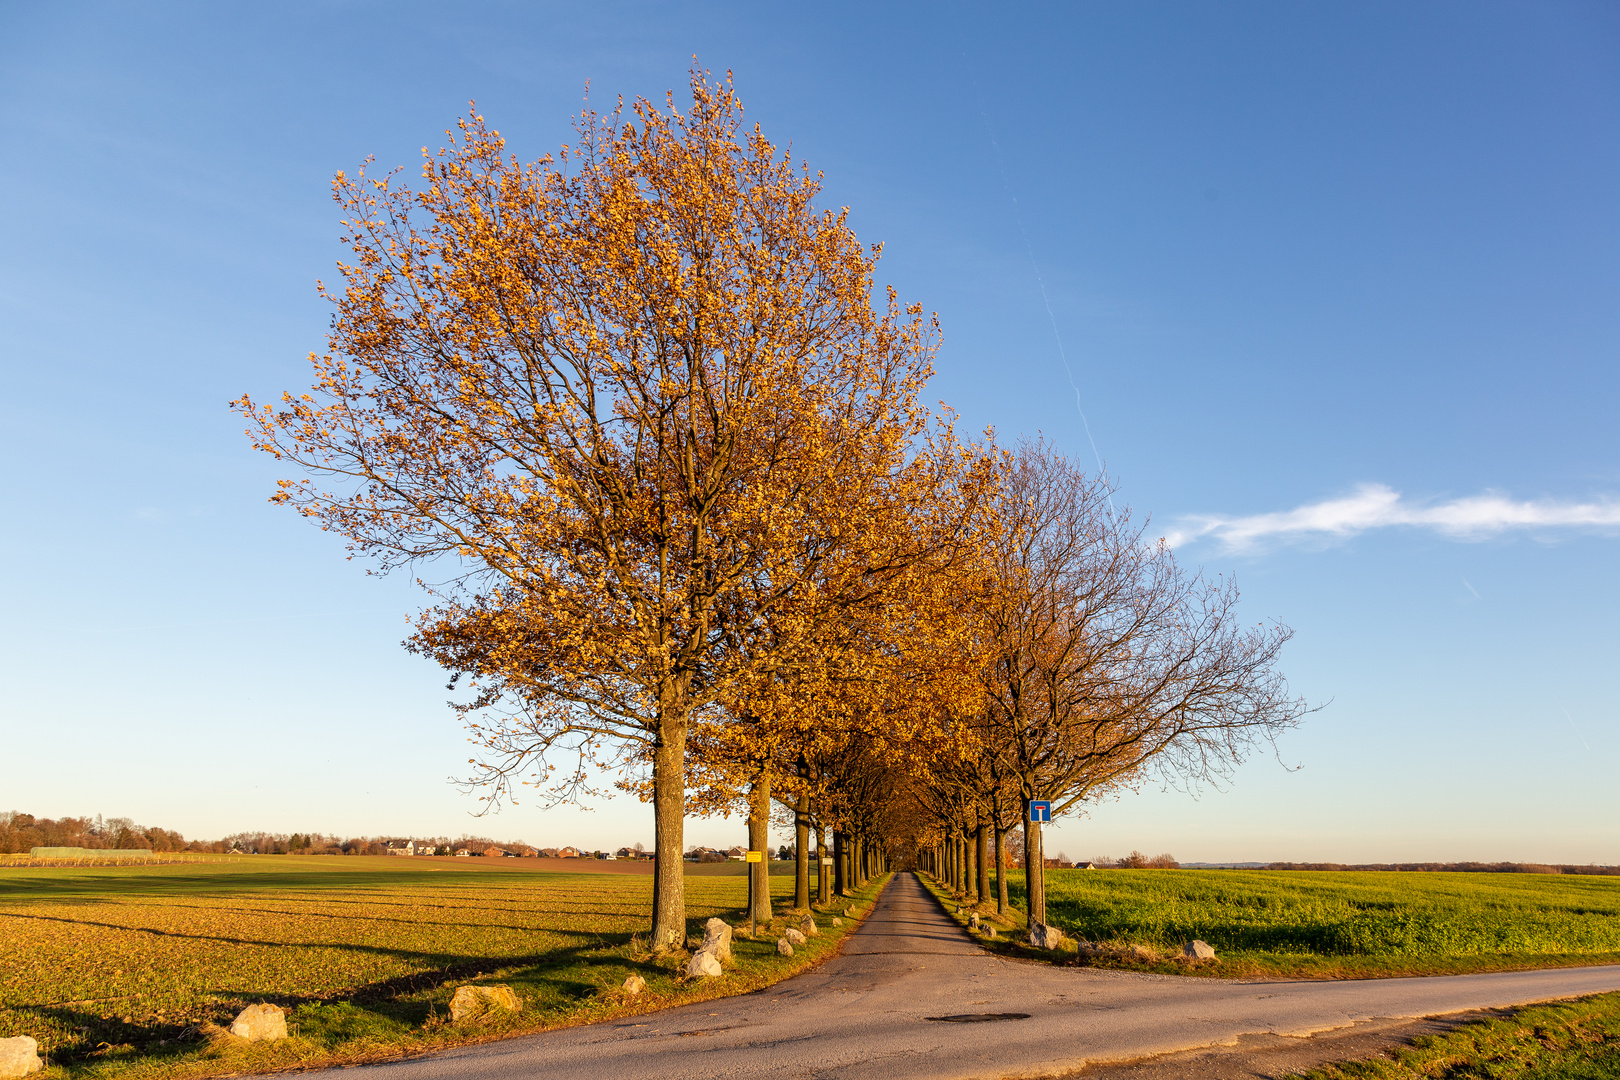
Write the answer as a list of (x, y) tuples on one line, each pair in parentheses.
[(19, 1056), (705, 964), (1043, 936), (474, 1001), (717, 939), (260, 1023)]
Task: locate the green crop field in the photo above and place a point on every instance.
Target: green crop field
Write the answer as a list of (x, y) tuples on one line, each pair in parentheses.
[(1326, 924), (124, 969)]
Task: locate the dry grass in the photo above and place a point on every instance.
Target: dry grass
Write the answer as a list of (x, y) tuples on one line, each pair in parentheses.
[(131, 970)]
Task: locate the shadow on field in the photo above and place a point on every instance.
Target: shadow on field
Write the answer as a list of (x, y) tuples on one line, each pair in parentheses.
[(599, 939), (557, 977)]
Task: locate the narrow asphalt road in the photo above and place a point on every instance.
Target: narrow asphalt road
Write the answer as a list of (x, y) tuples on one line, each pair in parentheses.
[(867, 1013)]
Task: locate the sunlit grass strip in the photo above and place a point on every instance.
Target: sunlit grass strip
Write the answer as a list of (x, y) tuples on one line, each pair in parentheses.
[(1562, 1041)]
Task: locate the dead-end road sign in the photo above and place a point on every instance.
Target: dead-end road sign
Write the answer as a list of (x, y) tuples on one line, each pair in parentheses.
[(1040, 810)]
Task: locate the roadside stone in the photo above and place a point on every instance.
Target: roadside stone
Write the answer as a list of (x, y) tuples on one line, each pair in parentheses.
[(19, 1056), (973, 921), (1043, 936), (792, 936), (1197, 950), (783, 947), (989, 931), (837, 921), (717, 940), (634, 985), (260, 1023), (808, 927), (705, 964), (471, 1002)]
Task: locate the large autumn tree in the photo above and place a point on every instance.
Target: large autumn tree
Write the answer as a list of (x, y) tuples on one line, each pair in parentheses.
[(628, 401)]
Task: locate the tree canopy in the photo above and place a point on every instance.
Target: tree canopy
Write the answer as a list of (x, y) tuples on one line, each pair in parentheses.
[(642, 410)]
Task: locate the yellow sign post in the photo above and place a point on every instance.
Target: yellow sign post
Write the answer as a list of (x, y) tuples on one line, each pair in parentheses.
[(756, 856)]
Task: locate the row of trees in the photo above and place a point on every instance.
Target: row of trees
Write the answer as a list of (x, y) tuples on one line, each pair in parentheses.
[(21, 832), (1103, 664), (632, 411)]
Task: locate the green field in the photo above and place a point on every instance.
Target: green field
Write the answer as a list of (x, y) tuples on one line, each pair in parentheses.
[(1326, 924), (120, 970), (1568, 1040)]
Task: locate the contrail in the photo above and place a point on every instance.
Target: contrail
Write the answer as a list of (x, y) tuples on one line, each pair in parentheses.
[(1035, 265), (1573, 728)]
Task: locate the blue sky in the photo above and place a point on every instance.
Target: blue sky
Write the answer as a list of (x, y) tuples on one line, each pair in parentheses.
[(1335, 286)]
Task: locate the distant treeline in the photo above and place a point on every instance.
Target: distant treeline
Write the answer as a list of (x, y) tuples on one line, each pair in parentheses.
[(1456, 867), (20, 833)]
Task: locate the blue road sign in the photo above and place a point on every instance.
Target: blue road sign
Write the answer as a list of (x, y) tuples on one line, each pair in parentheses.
[(1040, 810)]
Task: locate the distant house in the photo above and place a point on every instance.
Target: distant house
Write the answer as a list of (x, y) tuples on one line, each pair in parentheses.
[(548, 853), (1085, 866), (568, 853), (737, 854), (400, 847), (463, 852), (493, 852)]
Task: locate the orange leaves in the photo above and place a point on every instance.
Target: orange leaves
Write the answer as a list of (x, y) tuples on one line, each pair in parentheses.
[(638, 405)]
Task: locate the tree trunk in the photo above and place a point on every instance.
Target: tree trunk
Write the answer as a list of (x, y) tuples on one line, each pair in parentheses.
[(823, 878), (801, 853), (970, 866), (669, 835), (839, 878), (982, 857), (1034, 871), (759, 839), (1001, 871)]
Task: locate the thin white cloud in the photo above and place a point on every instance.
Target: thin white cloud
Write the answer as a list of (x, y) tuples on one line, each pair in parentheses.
[(1377, 506)]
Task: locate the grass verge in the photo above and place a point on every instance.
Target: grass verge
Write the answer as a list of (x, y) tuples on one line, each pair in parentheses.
[(1570, 1040), (134, 971), (1320, 925)]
